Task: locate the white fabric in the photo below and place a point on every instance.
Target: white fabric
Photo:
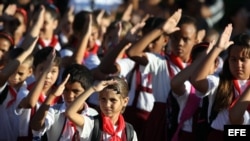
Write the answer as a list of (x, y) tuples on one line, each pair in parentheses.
[(10, 122), (87, 130), (68, 130), (107, 5)]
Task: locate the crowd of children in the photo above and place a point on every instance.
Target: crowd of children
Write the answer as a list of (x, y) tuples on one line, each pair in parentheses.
[(129, 74)]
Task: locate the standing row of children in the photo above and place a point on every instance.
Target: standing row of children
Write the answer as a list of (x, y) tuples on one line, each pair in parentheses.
[(160, 94)]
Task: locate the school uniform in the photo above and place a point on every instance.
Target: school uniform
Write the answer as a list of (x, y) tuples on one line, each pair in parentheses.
[(161, 70), (57, 126), (10, 127), (86, 131), (51, 42)]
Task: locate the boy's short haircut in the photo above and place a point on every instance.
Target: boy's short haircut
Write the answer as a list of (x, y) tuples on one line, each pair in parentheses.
[(186, 19), (41, 55), (29, 60), (53, 10), (79, 73)]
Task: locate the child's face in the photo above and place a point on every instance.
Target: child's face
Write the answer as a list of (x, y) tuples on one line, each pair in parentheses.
[(111, 103), (21, 74), (93, 37), (72, 91), (239, 64), (51, 77), (4, 47), (20, 29), (183, 40), (49, 25)]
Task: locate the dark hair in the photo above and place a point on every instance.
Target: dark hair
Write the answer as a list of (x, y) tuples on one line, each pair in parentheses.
[(185, 19), (41, 55), (79, 73), (53, 10), (121, 87), (152, 23), (198, 48), (80, 21)]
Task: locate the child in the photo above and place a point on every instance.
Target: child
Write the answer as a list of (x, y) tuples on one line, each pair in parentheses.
[(185, 94), (13, 77), (47, 35), (46, 70), (113, 98), (52, 120), (22, 16), (85, 32), (141, 98), (222, 90)]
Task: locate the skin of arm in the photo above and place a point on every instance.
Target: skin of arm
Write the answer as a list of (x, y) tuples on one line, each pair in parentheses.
[(177, 83), (38, 120), (136, 51), (237, 110), (31, 99), (82, 46), (198, 79)]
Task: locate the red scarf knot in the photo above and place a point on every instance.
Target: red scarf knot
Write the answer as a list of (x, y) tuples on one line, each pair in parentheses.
[(109, 128)]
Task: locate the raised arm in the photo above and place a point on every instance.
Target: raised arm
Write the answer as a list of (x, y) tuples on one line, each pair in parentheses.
[(82, 46), (72, 110), (13, 64), (31, 99), (37, 122), (136, 51), (177, 82), (34, 30), (199, 78)]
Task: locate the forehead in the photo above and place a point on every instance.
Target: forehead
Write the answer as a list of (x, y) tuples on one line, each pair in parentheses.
[(48, 16), (74, 85), (109, 93), (186, 30)]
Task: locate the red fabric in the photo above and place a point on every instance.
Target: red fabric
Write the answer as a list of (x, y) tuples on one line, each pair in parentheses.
[(237, 87), (94, 50), (76, 136), (108, 127), (175, 60), (53, 42), (13, 94)]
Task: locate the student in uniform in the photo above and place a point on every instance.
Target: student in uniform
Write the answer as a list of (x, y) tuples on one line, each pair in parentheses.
[(113, 99)]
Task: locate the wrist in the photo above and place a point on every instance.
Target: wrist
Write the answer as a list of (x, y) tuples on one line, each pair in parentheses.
[(94, 89)]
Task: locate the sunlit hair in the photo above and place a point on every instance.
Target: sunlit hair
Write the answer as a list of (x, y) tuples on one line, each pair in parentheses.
[(224, 94), (41, 55), (121, 88)]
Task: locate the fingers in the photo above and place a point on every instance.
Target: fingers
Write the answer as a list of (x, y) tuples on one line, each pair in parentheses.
[(66, 79)]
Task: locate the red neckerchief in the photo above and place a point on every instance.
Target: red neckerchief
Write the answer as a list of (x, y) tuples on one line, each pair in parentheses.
[(237, 87), (13, 93), (94, 50), (109, 128), (42, 98), (177, 61), (52, 43), (76, 136)]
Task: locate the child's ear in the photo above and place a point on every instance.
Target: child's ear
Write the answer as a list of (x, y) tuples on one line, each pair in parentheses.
[(55, 24), (30, 71), (125, 101)]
